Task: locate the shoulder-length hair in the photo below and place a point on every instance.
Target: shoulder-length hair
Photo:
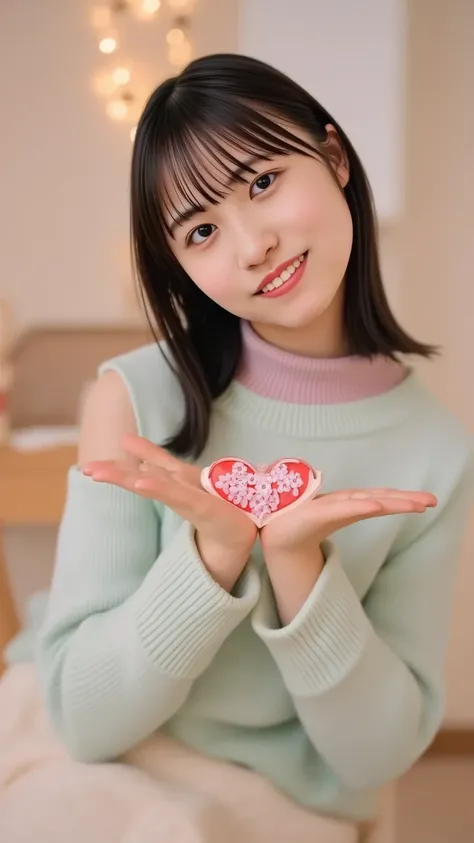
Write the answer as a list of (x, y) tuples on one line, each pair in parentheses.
[(218, 107)]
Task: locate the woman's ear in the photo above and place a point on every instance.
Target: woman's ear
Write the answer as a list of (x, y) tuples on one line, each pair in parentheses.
[(336, 155)]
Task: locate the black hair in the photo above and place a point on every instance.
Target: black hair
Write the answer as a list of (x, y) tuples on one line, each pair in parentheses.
[(217, 107)]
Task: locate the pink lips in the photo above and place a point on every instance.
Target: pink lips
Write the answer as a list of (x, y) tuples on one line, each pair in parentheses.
[(289, 285)]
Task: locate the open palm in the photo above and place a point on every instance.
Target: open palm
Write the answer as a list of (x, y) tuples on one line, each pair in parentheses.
[(153, 472), (317, 519)]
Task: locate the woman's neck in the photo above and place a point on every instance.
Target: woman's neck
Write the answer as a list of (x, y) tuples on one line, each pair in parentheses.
[(274, 372), (324, 339)]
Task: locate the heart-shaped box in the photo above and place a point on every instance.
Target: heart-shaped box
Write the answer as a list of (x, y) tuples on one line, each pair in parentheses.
[(262, 492)]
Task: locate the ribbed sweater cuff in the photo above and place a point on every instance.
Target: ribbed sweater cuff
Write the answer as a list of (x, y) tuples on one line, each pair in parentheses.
[(182, 615), (327, 637)]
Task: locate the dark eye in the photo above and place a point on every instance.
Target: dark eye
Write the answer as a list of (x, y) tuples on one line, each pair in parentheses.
[(262, 183), (201, 233)]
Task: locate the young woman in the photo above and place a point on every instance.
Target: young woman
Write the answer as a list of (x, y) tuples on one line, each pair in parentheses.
[(306, 657)]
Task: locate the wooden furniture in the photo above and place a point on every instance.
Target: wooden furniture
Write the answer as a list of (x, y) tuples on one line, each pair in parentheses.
[(52, 366), (32, 492)]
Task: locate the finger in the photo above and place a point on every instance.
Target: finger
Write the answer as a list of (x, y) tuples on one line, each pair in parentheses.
[(376, 492), (189, 501), (342, 513), (394, 506), (425, 498), (154, 483), (399, 498), (121, 472), (105, 465), (115, 474), (373, 513), (157, 484), (148, 452), (351, 508), (330, 511)]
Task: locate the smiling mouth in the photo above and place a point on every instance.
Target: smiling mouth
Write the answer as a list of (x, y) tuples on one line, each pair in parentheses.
[(287, 279)]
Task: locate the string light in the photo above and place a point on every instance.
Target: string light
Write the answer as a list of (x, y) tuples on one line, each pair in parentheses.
[(108, 45), (114, 85), (175, 37), (121, 76), (148, 8), (180, 5), (145, 9), (117, 109), (179, 45), (106, 84)]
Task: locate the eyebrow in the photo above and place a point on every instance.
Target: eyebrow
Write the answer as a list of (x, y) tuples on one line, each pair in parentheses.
[(184, 216)]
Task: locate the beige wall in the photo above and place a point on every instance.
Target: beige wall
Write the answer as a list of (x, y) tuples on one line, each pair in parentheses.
[(64, 181), (64, 164), (437, 294), (64, 220)]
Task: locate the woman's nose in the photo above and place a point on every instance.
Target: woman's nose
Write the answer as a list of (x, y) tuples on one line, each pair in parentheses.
[(254, 247)]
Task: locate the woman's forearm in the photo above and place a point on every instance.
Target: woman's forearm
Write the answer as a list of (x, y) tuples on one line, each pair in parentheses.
[(293, 576)]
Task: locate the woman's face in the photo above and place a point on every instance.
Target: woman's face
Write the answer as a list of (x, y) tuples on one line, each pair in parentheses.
[(274, 251)]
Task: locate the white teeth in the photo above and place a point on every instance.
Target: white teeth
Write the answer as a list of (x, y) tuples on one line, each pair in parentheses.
[(284, 276)]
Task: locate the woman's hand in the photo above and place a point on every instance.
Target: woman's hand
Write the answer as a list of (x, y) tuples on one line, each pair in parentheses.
[(315, 520), (291, 542), (224, 535)]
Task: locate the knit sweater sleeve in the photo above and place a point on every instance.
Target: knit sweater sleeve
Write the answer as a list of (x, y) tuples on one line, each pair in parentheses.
[(367, 679), (129, 627)]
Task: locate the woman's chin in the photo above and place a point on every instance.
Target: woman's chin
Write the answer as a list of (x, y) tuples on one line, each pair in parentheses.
[(302, 317)]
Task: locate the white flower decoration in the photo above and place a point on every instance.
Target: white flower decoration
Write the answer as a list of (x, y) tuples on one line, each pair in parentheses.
[(260, 491)]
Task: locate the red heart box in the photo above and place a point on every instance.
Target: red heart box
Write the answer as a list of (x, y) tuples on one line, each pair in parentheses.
[(262, 492)]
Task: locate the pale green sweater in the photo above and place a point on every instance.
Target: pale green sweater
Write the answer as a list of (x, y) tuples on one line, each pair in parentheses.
[(139, 637)]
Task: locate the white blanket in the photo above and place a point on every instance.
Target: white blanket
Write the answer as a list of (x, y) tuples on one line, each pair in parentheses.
[(161, 793)]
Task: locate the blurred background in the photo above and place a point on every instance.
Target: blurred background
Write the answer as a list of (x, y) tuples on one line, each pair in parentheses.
[(398, 75)]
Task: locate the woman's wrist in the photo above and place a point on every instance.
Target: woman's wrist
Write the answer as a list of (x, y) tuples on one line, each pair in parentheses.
[(311, 557), (293, 575), (224, 563)]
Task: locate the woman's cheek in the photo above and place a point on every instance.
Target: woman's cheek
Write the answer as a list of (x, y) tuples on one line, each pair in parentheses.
[(211, 278), (300, 213)]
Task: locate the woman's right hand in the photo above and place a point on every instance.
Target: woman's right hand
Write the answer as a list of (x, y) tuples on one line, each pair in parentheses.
[(224, 535)]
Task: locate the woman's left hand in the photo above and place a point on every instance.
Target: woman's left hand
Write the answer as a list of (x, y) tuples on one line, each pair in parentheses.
[(291, 543), (305, 526)]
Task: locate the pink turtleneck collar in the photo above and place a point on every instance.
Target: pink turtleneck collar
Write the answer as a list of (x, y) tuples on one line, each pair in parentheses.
[(273, 373)]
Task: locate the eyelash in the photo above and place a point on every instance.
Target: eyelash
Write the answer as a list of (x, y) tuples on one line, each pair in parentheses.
[(273, 173)]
